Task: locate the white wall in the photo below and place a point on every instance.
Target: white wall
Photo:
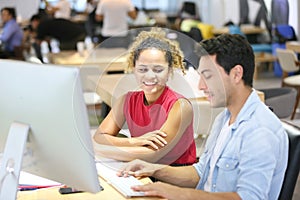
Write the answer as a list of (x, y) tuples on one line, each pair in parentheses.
[(219, 12), (294, 15)]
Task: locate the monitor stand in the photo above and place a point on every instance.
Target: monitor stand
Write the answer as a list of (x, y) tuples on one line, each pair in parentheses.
[(12, 160)]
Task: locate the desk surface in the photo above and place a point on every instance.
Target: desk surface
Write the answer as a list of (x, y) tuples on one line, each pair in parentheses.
[(246, 29), (52, 193), (293, 45), (112, 58), (264, 57)]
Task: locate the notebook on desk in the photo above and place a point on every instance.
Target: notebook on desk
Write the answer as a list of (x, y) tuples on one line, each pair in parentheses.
[(108, 168)]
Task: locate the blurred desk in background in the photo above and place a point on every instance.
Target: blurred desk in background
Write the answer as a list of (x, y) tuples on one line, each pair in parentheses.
[(107, 59), (252, 32), (263, 57), (293, 45), (246, 29)]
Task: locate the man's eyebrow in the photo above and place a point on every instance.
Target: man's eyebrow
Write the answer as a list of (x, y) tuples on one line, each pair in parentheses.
[(204, 71)]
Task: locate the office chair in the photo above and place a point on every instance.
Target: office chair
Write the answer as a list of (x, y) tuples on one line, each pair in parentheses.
[(288, 62), (292, 171), (195, 33), (277, 98)]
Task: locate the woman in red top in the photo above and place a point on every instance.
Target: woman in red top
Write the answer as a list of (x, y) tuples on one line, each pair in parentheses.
[(160, 120)]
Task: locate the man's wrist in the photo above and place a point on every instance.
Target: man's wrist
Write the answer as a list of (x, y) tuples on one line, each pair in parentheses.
[(160, 171)]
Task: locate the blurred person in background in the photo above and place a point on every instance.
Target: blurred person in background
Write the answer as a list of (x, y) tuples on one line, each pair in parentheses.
[(65, 31), (12, 33), (91, 25), (60, 10), (114, 15)]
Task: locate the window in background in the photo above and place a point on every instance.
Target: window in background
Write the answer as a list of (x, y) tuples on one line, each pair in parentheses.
[(77, 5), (161, 5)]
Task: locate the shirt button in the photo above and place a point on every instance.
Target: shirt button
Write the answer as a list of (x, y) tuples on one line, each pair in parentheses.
[(227, 165)]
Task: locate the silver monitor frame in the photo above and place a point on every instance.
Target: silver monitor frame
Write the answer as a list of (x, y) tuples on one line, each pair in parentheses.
[(46, 102)]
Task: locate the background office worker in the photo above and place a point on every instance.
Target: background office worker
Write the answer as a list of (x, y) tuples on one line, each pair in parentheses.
[(114, 14), (12, 34), (160, 120), (246, 153), (62, 9), (68, 33)]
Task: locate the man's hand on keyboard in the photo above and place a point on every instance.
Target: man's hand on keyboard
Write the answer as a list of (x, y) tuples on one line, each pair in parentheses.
[(139, 168), (160, 189)]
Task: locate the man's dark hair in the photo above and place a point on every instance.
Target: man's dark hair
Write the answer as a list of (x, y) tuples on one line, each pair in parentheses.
[(231, 50), (11, 11), (35, 17)]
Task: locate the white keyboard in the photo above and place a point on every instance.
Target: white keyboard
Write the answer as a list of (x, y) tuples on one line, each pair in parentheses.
[(122, 184)]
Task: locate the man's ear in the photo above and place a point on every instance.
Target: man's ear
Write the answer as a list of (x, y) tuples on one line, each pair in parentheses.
[(237, 73)]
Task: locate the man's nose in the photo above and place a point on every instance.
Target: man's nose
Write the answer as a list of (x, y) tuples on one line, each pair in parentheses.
[(202, 84)]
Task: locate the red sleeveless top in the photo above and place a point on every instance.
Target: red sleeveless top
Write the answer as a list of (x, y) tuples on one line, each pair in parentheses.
[(143, 118)]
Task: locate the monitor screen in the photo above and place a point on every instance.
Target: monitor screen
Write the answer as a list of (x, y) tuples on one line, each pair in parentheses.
[(49, 99)]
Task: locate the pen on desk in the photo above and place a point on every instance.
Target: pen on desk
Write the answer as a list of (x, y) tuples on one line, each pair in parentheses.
[(34, 187)]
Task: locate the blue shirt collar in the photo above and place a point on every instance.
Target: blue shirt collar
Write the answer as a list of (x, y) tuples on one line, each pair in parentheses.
[(246, 111)]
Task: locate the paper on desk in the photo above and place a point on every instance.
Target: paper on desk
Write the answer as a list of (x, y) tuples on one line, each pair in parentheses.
[(30, 179), (108, 168)]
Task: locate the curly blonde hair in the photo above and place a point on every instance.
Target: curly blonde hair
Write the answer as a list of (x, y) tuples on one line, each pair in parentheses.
[(156, 38)]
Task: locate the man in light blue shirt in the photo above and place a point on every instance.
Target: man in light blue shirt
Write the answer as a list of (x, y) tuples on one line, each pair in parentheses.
[(246, 154), (254, 159), (12, 34)]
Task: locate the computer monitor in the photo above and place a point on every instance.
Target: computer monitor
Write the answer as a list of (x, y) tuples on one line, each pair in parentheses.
[(48, 101)]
